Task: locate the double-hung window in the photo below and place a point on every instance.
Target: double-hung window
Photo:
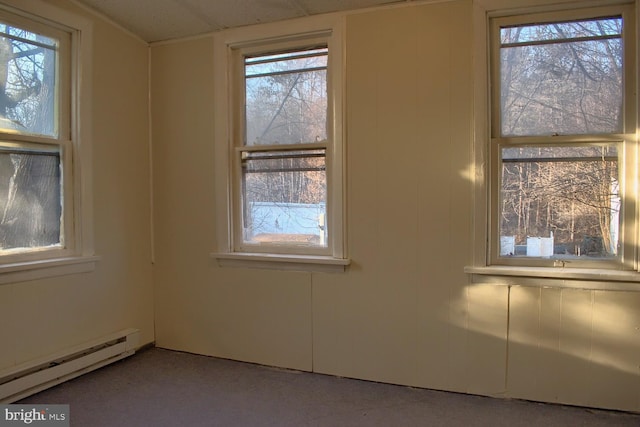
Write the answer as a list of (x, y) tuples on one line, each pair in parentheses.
[(563, 155), (41, 221), (280, 145), (281, 158)]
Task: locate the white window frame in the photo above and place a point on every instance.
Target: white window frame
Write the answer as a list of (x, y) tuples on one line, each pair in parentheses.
[(230, 47), (487, 267), (76, 254)]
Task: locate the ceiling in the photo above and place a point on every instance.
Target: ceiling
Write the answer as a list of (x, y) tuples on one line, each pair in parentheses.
[(156, 20)]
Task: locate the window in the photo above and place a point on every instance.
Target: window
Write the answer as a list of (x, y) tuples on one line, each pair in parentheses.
[(34, 136), (284, 150), (563, 145), (280, 147), (43, 225)]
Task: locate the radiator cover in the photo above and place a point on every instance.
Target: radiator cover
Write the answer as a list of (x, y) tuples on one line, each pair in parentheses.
[(18, 382)]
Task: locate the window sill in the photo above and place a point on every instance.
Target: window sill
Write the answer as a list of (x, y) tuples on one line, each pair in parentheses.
[(41, 269), (576, 278), (282, 262)]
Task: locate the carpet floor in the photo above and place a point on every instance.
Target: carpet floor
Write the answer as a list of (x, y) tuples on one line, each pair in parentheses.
[(159, 387)]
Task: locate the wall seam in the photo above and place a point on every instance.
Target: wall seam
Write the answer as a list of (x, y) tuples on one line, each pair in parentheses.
[(506, 365)]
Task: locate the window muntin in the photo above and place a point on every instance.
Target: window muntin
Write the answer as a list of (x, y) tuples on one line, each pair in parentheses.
[(36, 193), (283, 159), (562, 147)]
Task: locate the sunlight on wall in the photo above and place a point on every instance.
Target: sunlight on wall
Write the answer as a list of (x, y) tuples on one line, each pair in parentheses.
[(599, 327), (566, 346), (469, 173)]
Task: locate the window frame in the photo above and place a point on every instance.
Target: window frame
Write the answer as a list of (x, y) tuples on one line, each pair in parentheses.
[(61, 142), (487, 266), (625, 140), (76, 253), (230, 49), (239, 143)]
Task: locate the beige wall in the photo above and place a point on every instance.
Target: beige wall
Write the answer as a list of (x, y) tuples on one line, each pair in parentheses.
[(44, 316), (404, 312), (253, 315)]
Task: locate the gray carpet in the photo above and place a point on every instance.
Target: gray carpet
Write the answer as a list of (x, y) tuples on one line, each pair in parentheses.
[(166, 388)]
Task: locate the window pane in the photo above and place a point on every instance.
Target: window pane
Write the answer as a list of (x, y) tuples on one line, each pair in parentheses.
[(285, 197), (286, 98), (560, 202), (562, 78), (27, 82), (30, 200)]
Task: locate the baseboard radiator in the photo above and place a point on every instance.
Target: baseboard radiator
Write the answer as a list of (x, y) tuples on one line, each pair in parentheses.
[(18, 382)]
